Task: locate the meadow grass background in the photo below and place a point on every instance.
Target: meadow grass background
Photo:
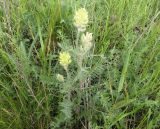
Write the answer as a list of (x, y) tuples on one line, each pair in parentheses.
[(124, 88)]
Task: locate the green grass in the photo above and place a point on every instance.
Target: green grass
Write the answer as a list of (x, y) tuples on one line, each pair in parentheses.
[(121, 75)]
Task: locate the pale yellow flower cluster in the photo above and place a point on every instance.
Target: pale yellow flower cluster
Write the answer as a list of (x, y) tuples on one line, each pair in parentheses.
[(64, 59), (86, 40), (81, 19)]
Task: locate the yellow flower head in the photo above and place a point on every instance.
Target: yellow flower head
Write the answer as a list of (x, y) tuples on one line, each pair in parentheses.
[(60, 78), (86, 40), (81, 19), (64, 59)]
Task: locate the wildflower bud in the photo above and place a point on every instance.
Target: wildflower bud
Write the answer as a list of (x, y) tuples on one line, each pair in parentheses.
[(81, 19), (64, 59), (60, 78), (86, 40)]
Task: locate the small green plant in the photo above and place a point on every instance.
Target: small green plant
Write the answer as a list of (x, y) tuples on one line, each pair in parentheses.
[(78, 76)]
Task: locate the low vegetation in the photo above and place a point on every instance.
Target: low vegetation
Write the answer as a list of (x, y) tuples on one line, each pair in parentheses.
[(79, 64)]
